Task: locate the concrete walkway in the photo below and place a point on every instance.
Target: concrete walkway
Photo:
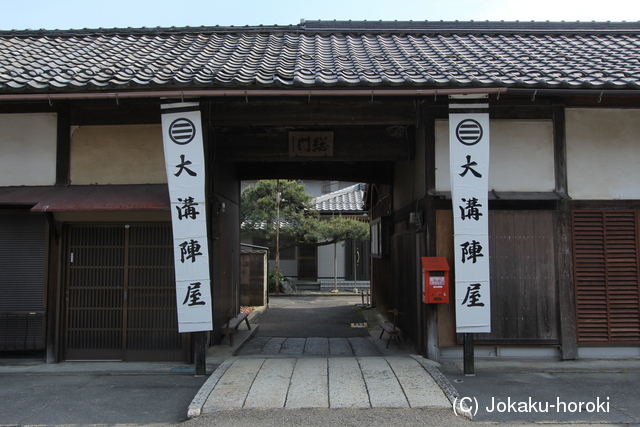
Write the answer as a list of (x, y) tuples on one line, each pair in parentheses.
[(322, 382)]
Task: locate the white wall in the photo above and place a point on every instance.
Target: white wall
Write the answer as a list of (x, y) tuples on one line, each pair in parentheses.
[(131, 154), (603, 153), (326, 260), (28, 147), (521, 156)]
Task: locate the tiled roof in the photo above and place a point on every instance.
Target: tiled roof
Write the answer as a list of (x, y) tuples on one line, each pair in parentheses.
[(325, 54), (348, 199)]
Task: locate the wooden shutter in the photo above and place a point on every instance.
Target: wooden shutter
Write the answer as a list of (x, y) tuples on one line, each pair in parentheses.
[(22, 281), (606, 276)]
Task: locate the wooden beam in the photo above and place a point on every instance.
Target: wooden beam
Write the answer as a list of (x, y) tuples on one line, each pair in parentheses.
[(352, 144), (369, 172), (605, 204), (28, 107), (226, 112), (112, 112), (502, 109)]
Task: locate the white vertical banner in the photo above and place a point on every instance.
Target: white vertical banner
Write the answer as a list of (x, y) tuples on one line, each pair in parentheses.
[(185, 164), (469, 166)]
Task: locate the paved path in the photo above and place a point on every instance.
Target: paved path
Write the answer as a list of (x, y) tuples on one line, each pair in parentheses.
[(305, 354), (322, 382), (313, 346)]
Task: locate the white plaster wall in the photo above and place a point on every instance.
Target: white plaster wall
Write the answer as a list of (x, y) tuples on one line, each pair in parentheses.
[(603, 153), (325, 260), (131, 154), (28, 147), (521, 156)]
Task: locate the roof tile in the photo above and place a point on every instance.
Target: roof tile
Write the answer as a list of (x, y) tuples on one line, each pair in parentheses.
[(327, 53), (348, 199)]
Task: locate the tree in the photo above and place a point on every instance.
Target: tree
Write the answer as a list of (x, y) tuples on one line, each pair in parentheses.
[(297, 219)]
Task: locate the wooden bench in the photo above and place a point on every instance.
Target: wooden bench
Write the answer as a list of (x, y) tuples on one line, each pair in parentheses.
[(391, 328), (233, 321)]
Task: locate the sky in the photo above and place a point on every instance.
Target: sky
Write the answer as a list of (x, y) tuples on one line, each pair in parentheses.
[(66, 14)]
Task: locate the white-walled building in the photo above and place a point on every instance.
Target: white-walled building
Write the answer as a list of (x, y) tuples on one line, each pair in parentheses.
[(326, 267)]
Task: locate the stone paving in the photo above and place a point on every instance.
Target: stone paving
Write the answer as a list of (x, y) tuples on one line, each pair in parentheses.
[(313, 357), (317, 346), (254, 382)]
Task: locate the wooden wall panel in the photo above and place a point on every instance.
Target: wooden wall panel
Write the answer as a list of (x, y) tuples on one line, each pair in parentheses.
[(225, 279), (523, 279), (444, 248)]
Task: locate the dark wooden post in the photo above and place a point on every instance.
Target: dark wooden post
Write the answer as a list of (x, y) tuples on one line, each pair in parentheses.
[(469, 362), (53, 292), (63, 146), (564, 261), (200, 352), (63, 161), (428, 124)]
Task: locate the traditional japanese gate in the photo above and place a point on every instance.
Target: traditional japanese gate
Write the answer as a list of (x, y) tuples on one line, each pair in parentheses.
[(120, 294)]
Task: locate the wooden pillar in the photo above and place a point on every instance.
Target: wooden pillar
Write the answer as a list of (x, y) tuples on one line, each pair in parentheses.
[(52, 293), (63, 179), (563, 246), (63, 146), (200, 352), (431, 310)]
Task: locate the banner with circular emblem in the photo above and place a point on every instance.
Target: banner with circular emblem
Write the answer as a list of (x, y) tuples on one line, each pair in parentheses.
[(185, 165), (469, 166)]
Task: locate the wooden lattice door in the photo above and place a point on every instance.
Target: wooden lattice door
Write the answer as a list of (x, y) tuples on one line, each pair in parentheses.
[(308, 262), (120, 294)]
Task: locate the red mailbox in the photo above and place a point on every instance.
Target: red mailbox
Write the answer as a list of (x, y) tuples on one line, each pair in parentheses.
[(435, 280)]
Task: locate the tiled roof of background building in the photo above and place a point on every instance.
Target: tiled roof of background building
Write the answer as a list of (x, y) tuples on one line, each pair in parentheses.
[(349, 199), (325, 54)]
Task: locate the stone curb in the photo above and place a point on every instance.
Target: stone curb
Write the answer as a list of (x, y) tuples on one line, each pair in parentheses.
[(449, 390), (195, 408), (254, 330)]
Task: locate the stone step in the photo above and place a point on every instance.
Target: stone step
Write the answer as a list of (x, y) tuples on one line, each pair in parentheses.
[(308, 286)]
